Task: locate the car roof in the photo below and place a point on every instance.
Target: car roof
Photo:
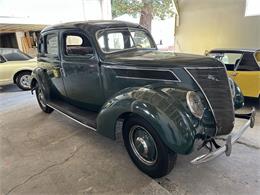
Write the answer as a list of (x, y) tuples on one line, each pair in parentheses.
[(234, 50), (4, 51), (93, 25)]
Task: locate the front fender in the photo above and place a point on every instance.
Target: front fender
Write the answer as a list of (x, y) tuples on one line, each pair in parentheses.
[(166, 114), (39, 76)]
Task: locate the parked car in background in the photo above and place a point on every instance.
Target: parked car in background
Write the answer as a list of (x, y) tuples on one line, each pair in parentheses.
[(243, 66), (16, 67), (101, 72)]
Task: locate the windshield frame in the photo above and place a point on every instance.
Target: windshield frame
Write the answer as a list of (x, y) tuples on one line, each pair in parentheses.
[(153, 45)]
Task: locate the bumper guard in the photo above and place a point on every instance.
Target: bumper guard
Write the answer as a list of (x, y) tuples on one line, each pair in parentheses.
[(231, 139)]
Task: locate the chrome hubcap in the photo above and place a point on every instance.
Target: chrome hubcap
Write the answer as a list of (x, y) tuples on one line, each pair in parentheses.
[(143, 145), (25, 81)]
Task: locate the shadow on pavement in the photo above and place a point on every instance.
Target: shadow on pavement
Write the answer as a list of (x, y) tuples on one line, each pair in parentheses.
[(9, 88)]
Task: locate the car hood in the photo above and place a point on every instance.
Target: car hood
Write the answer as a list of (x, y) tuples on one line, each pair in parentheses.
[(162, 59)]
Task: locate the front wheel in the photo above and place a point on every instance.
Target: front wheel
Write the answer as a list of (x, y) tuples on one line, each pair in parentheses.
[(146, 148), (42, 101)]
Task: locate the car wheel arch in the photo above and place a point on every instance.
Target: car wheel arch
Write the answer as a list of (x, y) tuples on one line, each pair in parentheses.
[(19, 72), (124, 106)]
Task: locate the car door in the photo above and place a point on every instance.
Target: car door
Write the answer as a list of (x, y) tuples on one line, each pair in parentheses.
[(5, 71), (49, 61), (81, 70), (247, 75)]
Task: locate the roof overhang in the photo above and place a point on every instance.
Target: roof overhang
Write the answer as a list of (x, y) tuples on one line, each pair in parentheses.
[(11, 28)]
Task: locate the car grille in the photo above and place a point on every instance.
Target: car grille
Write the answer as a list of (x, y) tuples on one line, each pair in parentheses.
[(215, 86)]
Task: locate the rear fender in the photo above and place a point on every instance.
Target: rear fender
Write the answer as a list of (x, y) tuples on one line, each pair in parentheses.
[(166, 114)]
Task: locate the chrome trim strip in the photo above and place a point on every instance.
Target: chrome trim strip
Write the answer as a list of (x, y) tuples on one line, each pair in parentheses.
[(204, 67), (186, 69), (93, 129), (135, 68), (140, 78), (231, 139)]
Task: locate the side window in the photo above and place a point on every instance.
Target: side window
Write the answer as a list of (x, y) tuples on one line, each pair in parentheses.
[(52, 44), (77, 45), (231, 60), (141, 39), (41, 46), (248, 63), (257, 57)]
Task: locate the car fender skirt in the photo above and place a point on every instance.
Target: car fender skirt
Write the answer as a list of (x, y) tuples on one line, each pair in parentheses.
[(170, 121)]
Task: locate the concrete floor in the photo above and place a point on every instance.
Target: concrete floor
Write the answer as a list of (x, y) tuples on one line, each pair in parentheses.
[(51, 154)]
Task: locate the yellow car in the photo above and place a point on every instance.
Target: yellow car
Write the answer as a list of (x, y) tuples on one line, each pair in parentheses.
[(243, 66), (16, 67)]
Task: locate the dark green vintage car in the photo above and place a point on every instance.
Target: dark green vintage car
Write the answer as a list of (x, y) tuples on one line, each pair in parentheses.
[(99, 73)]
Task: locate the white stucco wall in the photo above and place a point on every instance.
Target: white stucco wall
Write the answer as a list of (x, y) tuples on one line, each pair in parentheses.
[(208, 24), (53, 11)]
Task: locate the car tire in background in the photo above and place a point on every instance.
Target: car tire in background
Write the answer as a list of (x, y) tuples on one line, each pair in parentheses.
[(23, 80), (146, 148)]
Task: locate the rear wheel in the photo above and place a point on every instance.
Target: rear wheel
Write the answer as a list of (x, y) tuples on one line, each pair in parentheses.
[(146, 148), (42, 101), (23, 80)]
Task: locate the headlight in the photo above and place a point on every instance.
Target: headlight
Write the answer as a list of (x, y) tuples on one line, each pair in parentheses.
[(194, 103)]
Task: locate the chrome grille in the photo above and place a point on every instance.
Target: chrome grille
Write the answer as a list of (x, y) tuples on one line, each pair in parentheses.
[(215, 85)]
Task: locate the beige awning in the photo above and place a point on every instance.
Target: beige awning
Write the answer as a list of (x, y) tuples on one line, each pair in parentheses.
[(8, 28)]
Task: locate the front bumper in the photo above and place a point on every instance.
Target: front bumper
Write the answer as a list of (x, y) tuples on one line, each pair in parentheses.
[(231, 139)]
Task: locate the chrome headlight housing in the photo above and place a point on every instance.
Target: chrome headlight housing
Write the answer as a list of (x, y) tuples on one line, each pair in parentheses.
[(195, 104)]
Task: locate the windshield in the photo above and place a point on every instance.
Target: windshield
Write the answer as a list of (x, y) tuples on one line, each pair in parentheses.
[(124, 39), (14, 55), (230, 60)]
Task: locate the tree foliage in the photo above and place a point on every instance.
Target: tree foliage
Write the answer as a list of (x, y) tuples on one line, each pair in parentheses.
[(159, 8)]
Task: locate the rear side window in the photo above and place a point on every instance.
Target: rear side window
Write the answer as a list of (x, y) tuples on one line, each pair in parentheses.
[(248, 62), (77, 45), (52, 44)]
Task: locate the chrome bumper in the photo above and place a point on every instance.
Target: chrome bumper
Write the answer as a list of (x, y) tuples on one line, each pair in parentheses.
[(231, 139)]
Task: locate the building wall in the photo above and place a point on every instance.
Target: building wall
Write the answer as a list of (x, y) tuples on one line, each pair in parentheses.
[(53, 11), (208, 24)]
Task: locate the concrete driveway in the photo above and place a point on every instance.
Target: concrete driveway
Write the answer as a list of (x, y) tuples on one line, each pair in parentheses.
[(51, 154)]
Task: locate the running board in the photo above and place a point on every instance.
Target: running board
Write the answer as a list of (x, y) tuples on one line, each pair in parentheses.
[(83, 117)]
